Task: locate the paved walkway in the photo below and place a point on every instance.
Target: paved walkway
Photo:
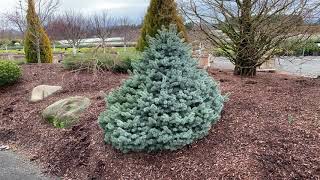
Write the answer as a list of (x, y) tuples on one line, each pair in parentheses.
[(302, 66), (14, 167)]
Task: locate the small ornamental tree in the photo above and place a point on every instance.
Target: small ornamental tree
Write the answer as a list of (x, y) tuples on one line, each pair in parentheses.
[(160, 13), (167, 103), (37, 45)]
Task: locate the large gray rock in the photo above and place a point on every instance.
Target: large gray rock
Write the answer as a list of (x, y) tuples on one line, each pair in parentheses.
[(65, 112), (41, 92)]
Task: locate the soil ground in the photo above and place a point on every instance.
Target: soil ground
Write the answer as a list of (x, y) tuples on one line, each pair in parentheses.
[(269, 129)]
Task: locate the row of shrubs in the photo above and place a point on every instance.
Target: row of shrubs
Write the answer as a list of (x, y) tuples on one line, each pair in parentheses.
[(10, 71), (308, 48), (120, 63)]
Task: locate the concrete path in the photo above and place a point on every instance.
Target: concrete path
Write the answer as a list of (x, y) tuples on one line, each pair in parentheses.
[(302, 66), (14, 167)]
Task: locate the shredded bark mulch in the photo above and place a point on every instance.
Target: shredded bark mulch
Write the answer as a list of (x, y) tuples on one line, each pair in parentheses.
[(269, 129)]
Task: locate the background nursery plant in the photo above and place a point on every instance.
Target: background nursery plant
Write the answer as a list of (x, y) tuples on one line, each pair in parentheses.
[(9, 72), (160, 13), (167, 104)]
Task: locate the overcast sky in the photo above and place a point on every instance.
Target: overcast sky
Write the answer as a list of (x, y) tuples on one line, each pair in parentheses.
[(133, 9)]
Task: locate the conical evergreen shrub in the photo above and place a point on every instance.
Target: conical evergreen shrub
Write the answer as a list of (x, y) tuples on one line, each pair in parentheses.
[(167, 103), (34, 33), (160, 13)]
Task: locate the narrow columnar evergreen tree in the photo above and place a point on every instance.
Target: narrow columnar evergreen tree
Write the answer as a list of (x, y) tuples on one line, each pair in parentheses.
[(37, 45), (160, 13), (167, 103)]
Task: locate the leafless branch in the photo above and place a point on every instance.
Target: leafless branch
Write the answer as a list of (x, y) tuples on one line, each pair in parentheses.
[(45, 9), (250, 31)]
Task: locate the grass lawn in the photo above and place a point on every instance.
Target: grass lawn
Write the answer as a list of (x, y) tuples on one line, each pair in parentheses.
[(13, 51), (270, 129), (69, 50)]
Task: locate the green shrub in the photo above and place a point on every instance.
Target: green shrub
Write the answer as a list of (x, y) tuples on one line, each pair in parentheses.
[(9, 72), (298, 48), (122, 66), (16, 61), (20, 62), (126, 59), (100, 61), (167, 103), (78, 62), (130, 56), (308, 48)]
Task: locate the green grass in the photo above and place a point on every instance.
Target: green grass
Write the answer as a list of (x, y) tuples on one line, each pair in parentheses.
[(13, 51), (17, 61), (116, 59), (120, 50)]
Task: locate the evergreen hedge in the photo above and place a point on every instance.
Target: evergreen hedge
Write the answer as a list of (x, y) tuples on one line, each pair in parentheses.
[(167, 103)]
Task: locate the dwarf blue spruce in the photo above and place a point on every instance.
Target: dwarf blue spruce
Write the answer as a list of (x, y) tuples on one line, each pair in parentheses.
[(167, 103)]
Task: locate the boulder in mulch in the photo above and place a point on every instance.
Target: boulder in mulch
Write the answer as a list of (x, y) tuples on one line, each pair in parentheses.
[(4, 147), (66, 112), (41, 92)]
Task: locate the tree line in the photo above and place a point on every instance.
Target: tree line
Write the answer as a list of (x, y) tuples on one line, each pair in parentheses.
[(248, 32), (72, 25)]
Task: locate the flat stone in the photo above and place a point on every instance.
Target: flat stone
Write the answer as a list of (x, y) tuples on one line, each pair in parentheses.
[(4, 147), (65, 112), (41, 92)]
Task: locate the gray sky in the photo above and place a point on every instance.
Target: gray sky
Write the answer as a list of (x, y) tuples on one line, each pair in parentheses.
[(131, 8)]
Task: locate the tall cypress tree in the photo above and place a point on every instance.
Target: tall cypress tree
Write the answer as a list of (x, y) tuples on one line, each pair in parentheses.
[(160, 13), (37, 44)]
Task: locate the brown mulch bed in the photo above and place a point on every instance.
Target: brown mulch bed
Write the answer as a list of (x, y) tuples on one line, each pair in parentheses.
[(270, 129)]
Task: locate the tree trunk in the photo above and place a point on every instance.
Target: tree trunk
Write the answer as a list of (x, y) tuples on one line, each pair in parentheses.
[(38, 50), (74, 50), (245, 71), (104, 46), (245, 63), (125, 43)]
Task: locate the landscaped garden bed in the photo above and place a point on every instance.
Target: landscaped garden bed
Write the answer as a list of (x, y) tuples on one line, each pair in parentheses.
[(269, 129)]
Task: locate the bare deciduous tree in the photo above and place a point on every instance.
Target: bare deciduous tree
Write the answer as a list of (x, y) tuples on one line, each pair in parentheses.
[(127, 30), (45, 10), (75, 28), (5, 35), (249, 31), (103, 25), (56, 28)]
